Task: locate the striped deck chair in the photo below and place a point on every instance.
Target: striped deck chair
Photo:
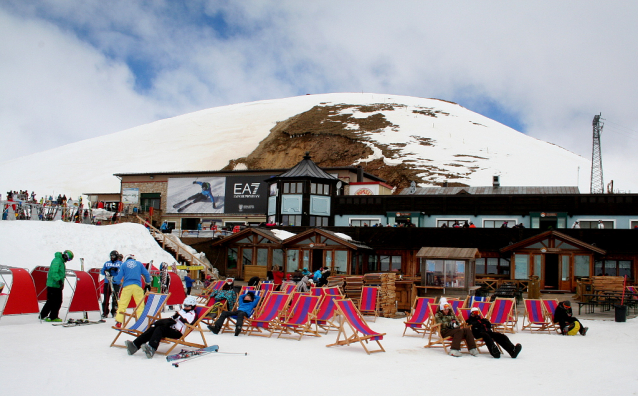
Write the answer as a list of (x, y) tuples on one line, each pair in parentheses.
[(549, 306), (288, 287), (470, 300), (348, 313), (294, 297), (266, 287), (535, 316), (152, 311), (326, 312), (464, 314), (268, 316), (456, 305), (299, 320), (369, 302), (483, 306), (419, 317), (200, 313), (439, 340), (332, 291), (317, 291), (232, 320), (502, 315)]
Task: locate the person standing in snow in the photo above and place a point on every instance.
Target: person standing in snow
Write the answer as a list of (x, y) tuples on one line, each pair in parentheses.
[(109, 270), (482, 329), (172, 327), (450, 327), (188, 281), (55, 285), (130, 277)]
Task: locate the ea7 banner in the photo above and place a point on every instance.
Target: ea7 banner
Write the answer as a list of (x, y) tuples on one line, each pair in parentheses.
[(246, 194), (196, 195)]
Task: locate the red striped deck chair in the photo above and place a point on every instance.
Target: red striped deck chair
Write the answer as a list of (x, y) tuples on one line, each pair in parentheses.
[(369, 302), (419, 318), (464, 314), (550, 307), (268, 315), (332, 291), (317, 291), (200, 313), (435, 338), (349, 314), (456, 304), (266, 287), (231, 321), (288, 287), (326, 312), (470, 300), (502, 315), (484, 307), (535, 316), (152, 311), (294, 297), (299, 320)]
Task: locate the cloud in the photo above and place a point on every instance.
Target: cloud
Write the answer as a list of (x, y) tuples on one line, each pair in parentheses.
[(546, 67)]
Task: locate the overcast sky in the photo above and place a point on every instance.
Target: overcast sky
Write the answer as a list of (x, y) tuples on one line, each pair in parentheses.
[(73, 70)]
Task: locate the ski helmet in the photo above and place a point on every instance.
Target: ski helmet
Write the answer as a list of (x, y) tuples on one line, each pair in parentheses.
[(205, 185), (67, 255), (114, 255), (190, 300), (130, 257)]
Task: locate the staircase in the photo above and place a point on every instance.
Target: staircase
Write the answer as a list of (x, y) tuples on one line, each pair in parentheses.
[(175, 247)]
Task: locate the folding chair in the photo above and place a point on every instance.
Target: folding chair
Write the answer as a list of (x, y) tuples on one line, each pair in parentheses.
[(464, 315), (348, 313), (266, 287), (369, 302), (232, 320), (502, 315), (484, 307), (418, 321), (326, 312), (535, 316), (299, 320), (440, 341), (288, 287), (200, 313), (469, 302), (268, 315), (317, 291), (550, 307), (152, 311)]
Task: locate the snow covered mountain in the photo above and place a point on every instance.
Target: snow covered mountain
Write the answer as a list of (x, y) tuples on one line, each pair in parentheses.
[(398, 138)]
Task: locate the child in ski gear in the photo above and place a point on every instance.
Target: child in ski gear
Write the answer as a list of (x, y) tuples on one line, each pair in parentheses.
[(55, 285), (172, 327), (247, 303), (450, 327), (566, 322), (109, 270), (188, 281), (304, 285), (482, 329), (130, 275)]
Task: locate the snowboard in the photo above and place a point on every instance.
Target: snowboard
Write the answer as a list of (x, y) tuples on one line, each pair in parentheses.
[(185, 355), (78, 322)]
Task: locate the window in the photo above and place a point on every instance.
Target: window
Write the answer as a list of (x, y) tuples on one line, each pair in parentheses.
[(388, 263), (292, 260), (565, 268), (492, 266), (521, 266), (373, 263), (446, 273), (633, 224), (232, 259), (262, 257), (319, 221), (364, 222), (247, 256), (293, 188), (291, 220), (581, 266), (341, 261), (537, 265), (613, 268), (319, 189), (609, 224), (277, 257), (498, 223), (450, 222)]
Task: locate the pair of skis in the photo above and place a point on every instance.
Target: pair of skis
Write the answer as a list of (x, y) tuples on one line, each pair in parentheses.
[(186, 355), (78, 322)]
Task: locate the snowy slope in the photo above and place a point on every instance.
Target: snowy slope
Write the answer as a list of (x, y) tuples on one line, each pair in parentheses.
[(465, 143), (29, 244)]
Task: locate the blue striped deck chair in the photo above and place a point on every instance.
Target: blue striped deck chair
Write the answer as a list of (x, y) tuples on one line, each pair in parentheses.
[(152, 311), (472, 299)]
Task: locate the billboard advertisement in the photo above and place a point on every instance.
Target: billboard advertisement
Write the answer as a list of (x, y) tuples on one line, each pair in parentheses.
[(130, 196), (232, 194), (196, 195)]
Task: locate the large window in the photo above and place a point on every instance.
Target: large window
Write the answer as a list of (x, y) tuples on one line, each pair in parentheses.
[(247, 256), (450, 223), (521, 266), (390, 263), (364, 222), (262, 257), (341, 261), (492, 266), (293, 188), (319, 189), (291, 220), (565, 268), (608, 224), (319, 221), (292, 260), (613, 268), (445, 273), (498, 223), (581, 266), (232, 258)]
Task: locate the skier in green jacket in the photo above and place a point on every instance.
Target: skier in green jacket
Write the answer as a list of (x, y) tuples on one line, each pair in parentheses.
[(55, 284)]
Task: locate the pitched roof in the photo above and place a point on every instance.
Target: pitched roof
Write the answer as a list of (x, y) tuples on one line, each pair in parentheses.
[(306, 168), (448, 253)]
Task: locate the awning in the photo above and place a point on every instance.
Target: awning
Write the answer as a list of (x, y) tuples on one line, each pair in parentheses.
[(448, 253)]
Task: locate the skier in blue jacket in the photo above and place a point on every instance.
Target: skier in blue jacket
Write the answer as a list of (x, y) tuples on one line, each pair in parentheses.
[(130, 275), (247, 303), (109, 270)]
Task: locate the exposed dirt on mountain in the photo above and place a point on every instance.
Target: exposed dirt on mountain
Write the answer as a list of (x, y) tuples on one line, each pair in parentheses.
[(335, 138)]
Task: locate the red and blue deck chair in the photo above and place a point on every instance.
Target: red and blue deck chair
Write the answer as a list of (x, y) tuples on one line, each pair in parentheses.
[(502, 315), (326, 311), (470, 300), (535, 316), (349, 314), (152, 311), (266, 287), (484, 307), (196, 328), (288, 287), (420, 316), (369, 302), (294, 296), (317, 291), (268, 315), (456, 304), (550, 307), (299, 320)]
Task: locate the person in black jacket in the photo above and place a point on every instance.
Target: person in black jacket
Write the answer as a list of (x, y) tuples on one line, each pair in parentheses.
[(563, 316), (482, 328)]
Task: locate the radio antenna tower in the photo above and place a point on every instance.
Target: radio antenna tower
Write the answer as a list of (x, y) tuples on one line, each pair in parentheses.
[(597, 185)]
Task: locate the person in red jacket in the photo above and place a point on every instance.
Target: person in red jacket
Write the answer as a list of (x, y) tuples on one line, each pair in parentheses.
[(278, 277)]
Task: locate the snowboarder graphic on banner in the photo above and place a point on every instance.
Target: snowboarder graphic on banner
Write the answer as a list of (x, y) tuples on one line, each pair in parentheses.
[(206, 195)]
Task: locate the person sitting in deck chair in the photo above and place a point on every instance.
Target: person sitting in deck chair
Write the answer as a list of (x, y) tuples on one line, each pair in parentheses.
[(247, 303), (568, 324), (226, 295), (482, 328), (450, 327), (172, 327)]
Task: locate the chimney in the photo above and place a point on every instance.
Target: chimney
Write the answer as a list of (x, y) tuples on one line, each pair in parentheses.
[(496, 181), (445, 183), (359, 174)]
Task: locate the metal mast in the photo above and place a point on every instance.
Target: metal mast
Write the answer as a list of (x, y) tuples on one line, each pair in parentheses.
[(597, 185)]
